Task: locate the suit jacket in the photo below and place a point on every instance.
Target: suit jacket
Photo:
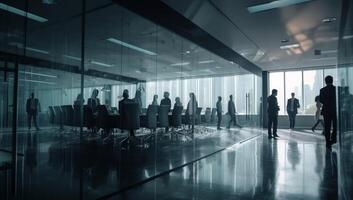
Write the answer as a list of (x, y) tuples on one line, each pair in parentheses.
[(36, 106), (328, 100), (295, 106), (166, 102), (219, 107), (272, 107), (231, 108), (121, 105)]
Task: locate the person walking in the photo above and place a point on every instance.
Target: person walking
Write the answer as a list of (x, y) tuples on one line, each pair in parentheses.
[(328, 100), (232, 112), (318, 115), (292, 109), (219, 112)]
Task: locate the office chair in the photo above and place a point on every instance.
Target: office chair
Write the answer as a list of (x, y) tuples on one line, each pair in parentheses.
[(163, 121), (149, 120), (213, 115), (129, 120)]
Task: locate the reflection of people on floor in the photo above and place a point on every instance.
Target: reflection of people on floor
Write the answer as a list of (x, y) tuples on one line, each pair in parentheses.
[(232, 113), (31, 151), (329, 184), (272, 111), (319, 159), (318, 116), (269, 162), (293, 154), (292, 109), (32, 109), (328, 100)]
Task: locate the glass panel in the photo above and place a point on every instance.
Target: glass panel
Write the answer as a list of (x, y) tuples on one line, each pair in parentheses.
[(294, 85), (313, 82), (276, 80)]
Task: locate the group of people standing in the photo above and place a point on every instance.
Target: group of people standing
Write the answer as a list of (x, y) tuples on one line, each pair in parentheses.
[(325, 105)]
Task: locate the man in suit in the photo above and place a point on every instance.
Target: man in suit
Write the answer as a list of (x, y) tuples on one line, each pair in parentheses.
[(328, 100), (292, 110), (219, 112), (32, 109), (166, 101), (272, 110), (232, 112), (122, 108)]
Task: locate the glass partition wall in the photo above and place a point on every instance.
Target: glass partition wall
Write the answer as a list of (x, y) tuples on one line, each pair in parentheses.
[(73, 58)]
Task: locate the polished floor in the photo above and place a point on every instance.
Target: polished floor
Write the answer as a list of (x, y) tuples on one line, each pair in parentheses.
[(296, 166), (56, 164)]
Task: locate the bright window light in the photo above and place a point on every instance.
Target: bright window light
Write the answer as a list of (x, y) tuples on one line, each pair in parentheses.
[(22, 13), (274, 4), (124, 44)]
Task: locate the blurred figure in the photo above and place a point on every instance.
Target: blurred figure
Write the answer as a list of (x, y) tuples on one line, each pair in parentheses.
[(318, 118), (177, 102), (138, 100), (191, 109), (155, 100), (166, 101), (79, 100), (122, 107), (232, 112), (93, 102), (328, 100), (292, 109), (272, 111), (219, 112), (32, 109)]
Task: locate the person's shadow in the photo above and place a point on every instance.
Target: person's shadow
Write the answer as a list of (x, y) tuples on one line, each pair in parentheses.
[(293, 154)]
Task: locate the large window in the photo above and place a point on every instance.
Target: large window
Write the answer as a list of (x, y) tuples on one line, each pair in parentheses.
[(306, 85)]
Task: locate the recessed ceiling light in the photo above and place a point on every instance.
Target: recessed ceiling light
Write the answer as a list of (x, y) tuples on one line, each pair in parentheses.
[(72, 57), (131, 46), (284, 41), (206, 61), (231, 62), (180, 64), (39, 74), (274, 4), (187, 52), (290, 46), (22, 13), (100, 63), (329, 19)]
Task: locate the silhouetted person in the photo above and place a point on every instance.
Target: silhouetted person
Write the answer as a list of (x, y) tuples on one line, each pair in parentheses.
[(191, 109), (32, 109), (155, 100), (166, 101), (137, 99), (272, 110), (292, 110), (232, 112), (122, 107), (219, 112), (318, 114), (93, 102), (328, 100), (177, 102), (79, 100)]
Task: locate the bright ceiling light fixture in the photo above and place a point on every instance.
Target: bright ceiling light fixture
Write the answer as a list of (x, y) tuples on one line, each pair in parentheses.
[(37, 50), (136, 48), (274, 4), (39, 74), (35, 81), (206, 61), (22, 13), (72, 57), (100, 64), (290, 46), (180, 64)]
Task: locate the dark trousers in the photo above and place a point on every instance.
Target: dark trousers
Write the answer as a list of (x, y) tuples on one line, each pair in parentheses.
[(219, 116), (319, 121), (232, 119), (291, 116), (272, 123), (32, 115), (330, 136)]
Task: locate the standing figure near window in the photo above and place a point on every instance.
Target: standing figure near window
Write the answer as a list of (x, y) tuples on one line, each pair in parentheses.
[(177, 102), (155, 100), (138, 100), (191, 110), (232, 113), (32, 109), (272, 111), (79, 100), (219, 112), (318, 115), (292, 109), (93, 102), (166, 101)]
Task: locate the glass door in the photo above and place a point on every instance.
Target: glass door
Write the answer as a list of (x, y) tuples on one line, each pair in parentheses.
[(8, 151)]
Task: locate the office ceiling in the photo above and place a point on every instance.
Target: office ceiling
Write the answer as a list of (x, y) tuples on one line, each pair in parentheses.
[(59, 40), (258, 36)]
